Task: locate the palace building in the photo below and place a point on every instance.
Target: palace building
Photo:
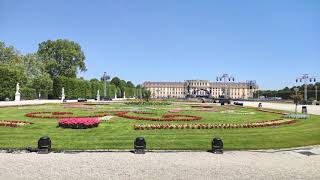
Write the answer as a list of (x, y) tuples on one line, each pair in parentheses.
[(202, 88)]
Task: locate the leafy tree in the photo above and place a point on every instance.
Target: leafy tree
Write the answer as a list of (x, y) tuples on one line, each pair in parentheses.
[(33, 66), (62, 57), (147, 95), (130, 84), (116, 81), (43, 85), (9, 77), (8, 54)]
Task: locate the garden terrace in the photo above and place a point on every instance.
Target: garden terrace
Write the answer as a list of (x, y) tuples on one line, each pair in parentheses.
[(119, 132)]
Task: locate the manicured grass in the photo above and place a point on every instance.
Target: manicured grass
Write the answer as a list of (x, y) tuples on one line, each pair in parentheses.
[(118, 133)]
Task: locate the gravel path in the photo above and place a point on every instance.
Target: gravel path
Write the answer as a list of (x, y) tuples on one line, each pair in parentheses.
[(312, 109), (178, 165)]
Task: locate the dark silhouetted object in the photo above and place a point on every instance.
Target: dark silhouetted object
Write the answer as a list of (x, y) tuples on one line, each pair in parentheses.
[(304, 110), (44, 145), (140, 145), (217, 146)]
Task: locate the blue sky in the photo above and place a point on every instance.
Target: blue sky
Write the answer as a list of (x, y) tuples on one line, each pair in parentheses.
[(270, 41)]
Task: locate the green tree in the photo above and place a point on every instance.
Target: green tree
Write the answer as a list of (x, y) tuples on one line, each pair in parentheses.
[(62, 57), (43, 85), (147, 95), (8, 54), (116, 81), (130, 84), (9, 77)]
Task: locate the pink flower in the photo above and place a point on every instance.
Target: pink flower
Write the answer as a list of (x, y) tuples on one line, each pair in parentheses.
[(79, 123)]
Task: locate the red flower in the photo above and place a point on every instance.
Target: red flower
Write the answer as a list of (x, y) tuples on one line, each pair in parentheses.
[(79, 123)]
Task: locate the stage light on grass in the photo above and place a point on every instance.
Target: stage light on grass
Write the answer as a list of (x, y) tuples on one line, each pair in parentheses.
[(44, 145), (140, 145), (217, 145)]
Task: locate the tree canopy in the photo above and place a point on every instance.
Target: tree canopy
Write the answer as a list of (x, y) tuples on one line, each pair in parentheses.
[(62, 57)]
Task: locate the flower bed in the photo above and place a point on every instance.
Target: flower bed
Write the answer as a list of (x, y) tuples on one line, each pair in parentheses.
[(150, 103), (13, 123), (201, 106), (237, 113), (271, 111), (60, 115), (142, 112), (79, 123), (269, 123), (167, 117)]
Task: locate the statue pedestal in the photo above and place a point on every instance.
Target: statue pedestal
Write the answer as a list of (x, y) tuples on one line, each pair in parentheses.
[(17, 97), (98, 98)]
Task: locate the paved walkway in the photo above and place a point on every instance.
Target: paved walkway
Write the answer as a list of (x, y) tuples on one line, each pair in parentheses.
[(40, 102), (274, 164), (312, 109)]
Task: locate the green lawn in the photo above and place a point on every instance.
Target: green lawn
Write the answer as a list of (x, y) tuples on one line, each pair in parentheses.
[(118, 133)]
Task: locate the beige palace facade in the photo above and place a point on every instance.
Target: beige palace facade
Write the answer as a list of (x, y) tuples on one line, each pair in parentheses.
[(198, 88)]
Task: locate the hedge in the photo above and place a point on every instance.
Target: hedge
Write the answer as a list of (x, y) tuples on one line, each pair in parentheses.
[(28, 93), (79, 88), (9, 77)]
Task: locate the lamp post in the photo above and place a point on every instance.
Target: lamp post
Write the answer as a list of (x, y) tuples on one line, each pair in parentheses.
[(305, 78), (105, 77), (316, 93), (251, 84), (225, 78), (158, 90), (296, 98)]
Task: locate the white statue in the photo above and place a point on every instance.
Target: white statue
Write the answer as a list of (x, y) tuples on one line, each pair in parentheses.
[(124, 94), (115, 94), (17, 95), (62, 94), (98, 95), (17, 88)]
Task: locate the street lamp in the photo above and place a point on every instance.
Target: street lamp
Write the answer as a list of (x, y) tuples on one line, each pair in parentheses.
[(316, 93), (251, 84), (305, 78), (296, 98), (225, 78), (105, 78), (158, 91)]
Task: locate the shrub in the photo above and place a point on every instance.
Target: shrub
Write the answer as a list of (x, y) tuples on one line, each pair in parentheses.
[(13, 123), (150, 103), (167, 117), (28, 93), (60, 115), (79, 123), (269, 123)]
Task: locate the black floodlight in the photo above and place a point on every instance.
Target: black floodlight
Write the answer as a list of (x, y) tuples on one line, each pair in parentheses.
[(44, 145), (217, 145), (304, 110), (140, 145)]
